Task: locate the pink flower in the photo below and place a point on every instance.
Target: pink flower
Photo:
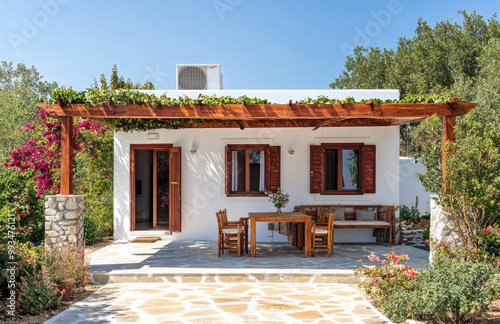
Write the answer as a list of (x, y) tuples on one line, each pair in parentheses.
[(373, 257), (403, 267), (384, 261), (24, 215), (25, 228), (485, 231), (15, 197), (25, 199), (482, 238), (410, 274)]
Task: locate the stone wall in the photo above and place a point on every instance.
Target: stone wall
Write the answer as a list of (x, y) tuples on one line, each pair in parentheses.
[(442, 226), (412, 237), (64, 220)]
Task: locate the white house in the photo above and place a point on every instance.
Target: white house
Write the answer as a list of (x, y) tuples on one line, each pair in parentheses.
[(203, 169), (321, 154)]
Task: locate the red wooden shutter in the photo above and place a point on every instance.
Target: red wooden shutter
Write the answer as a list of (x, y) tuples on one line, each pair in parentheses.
[(369, 158), (316, 168), (175, 189), (228, 170), (273, 168)]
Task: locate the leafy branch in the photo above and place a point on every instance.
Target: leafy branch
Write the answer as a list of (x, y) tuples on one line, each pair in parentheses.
[(95, 97)]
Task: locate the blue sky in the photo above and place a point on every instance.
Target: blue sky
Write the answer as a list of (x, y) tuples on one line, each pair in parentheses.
[(260, 44)]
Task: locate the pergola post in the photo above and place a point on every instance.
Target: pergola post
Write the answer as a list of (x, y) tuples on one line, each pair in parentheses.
[(448, 135), (66, 156)]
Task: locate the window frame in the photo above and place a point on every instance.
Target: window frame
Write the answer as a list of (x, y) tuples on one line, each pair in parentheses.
[(247, 148), (339, 147)]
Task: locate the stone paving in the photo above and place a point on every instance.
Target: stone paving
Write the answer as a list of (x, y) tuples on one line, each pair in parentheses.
[(223, 303), (170, 260), (185, 282)]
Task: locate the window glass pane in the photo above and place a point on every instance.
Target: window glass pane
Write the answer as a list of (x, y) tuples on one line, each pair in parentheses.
[(238, 170), (331, 167), (350, 170), (257, 170)]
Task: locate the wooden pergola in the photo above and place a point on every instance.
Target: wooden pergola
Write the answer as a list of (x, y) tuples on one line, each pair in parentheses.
[(257, 116)]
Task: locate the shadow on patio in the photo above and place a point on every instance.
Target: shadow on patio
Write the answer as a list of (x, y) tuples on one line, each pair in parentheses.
[(173, 261)]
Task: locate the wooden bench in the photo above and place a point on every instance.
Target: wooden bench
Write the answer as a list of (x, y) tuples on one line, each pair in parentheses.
[(350, 216)]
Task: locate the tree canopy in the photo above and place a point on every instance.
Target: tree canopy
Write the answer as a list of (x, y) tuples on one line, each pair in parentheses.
[(435, 59), (21, 88), (455, 59)]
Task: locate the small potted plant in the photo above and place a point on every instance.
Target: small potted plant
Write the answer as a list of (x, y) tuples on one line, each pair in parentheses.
[(67, 268), (279, 199)]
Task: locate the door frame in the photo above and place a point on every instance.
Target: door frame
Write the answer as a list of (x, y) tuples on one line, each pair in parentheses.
[(133, 148)]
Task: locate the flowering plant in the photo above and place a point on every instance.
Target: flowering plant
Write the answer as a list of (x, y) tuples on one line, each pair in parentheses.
[(279, 199), (489, 239), (392, 272), (67, 265)]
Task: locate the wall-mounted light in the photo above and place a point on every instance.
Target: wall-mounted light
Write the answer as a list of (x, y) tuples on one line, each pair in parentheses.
[(153, 136), (194, 148), (291, 151)]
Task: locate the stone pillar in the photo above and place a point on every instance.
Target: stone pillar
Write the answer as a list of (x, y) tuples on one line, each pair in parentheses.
[(443, 227), (64, 220)]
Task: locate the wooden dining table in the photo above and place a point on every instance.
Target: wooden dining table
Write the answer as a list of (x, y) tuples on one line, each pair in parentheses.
[(283, 217)]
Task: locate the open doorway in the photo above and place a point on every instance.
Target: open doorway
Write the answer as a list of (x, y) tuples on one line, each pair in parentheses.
[(155, 182)]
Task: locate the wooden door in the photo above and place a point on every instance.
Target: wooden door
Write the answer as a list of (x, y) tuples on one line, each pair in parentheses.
[(175, 189)]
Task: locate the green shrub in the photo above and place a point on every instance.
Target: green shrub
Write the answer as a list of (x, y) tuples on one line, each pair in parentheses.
[(93, 230), (35, 293), (449, 290), (29, 259), (18, 198), (409, 213), (426, 233), (458, 286)]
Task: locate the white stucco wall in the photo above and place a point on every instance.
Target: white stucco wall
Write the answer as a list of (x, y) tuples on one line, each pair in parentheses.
[(410, 188), (203, 174), (202, 177)]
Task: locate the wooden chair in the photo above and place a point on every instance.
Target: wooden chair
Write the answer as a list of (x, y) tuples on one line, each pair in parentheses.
[(322, 235), (321, 219), (243, 222), (321, 216), (229, 236)]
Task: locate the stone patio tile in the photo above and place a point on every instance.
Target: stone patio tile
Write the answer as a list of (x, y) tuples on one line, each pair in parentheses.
[(234, 308), (305, 314)]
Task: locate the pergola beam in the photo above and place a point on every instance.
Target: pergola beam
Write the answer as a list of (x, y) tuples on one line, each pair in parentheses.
[(317, 112), (329, 121), (66, 156), (448, 136)]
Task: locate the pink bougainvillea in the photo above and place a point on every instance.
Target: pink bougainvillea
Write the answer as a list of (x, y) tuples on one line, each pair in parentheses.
[(43, 156)]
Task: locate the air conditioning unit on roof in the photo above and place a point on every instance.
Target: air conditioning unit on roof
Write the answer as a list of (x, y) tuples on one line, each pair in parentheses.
[(199, 77)]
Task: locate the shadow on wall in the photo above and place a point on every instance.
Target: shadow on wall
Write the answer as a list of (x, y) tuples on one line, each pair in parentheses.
[(410, 190)]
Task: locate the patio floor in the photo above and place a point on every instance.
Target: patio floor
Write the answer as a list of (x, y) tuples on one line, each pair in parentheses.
[(185, 282), (197, 262)]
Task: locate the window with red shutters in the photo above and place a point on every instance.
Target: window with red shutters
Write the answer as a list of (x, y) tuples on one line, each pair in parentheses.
[(252, 169), (342, 169)]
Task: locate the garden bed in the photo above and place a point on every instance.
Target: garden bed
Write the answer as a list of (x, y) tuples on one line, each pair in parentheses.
[(77, 296), (46, 315)]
